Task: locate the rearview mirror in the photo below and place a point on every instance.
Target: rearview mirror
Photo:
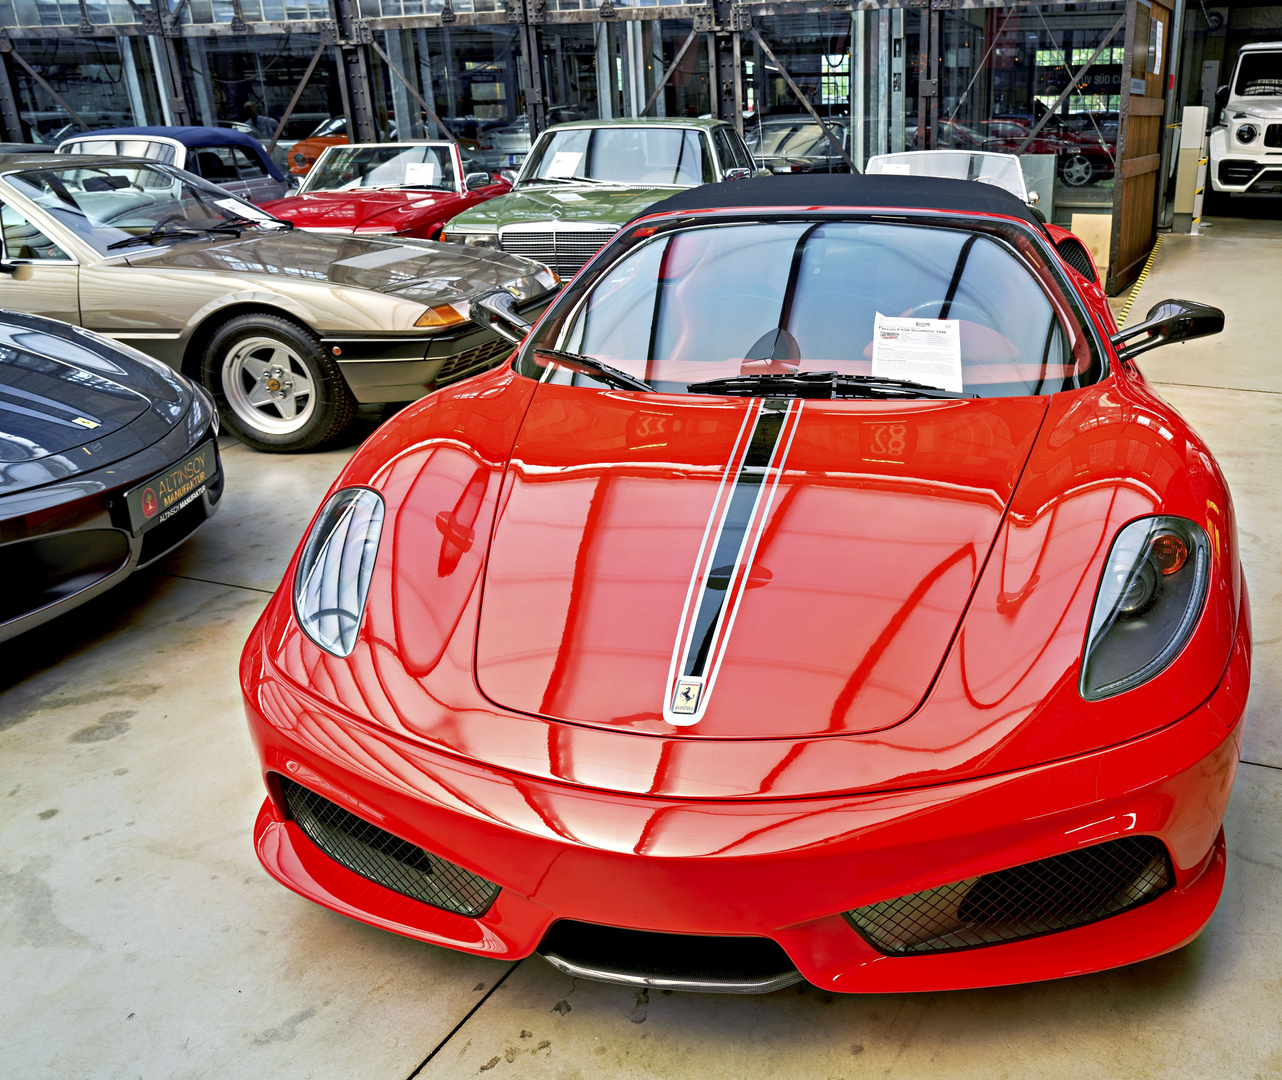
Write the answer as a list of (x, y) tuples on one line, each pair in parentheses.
[(475, 180), (497, 311), (738, 174), (1167, 321), (17, 271)]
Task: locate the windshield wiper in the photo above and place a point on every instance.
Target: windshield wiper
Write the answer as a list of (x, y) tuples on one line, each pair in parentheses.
[(590, 365), (159, 233), (821, 384)]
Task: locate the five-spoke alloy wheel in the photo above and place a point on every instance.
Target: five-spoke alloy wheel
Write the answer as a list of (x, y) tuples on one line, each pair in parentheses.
[(1076, 170), (275, 386)]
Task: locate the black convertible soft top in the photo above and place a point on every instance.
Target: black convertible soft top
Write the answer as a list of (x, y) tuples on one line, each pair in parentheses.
[(838, 190)]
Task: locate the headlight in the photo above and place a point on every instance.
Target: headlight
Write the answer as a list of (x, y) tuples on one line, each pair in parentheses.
[(332, 581), (472, 239), (1149, 600), (1247, 133), (532, 285)]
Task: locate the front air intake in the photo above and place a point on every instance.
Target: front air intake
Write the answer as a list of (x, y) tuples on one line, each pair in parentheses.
[(1026, 901), (697, 962), (394, 863)]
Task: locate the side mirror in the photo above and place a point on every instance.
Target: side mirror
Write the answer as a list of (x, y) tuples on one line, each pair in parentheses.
[(17, 271), (497, 311), (1221, 100), (475, 180), (1167, 321), (738, 174), (508, 174)]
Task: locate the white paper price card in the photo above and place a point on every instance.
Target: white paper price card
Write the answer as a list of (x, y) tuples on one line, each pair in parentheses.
[(564, 164), (926, 351), (421, 174)]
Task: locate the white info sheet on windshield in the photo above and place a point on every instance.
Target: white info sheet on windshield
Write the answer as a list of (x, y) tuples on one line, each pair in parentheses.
[(926, 351)]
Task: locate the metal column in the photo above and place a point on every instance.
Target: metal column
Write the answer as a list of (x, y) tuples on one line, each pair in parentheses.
[(354, 35), (528, 16), (10, 122)]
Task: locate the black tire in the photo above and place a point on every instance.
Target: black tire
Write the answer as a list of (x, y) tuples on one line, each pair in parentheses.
[(275, 365)]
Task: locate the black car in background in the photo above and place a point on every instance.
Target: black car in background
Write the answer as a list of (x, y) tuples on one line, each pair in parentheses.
[(796, 144), (108, 459)]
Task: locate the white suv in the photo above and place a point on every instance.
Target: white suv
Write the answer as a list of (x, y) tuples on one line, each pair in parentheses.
[(1246, 149)]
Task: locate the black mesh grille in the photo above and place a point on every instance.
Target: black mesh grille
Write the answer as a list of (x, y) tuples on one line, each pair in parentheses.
[(394, 863), (1074, 253), (481, 358), (1237, 172), (1273, 136), (1026, 901)]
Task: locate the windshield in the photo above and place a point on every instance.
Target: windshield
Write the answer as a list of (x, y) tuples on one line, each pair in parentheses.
[(125, 146), (1000, 170), (623, 155), (346, 168), (792, 138), (946, 307), (107, 204), (1259, 74), (334, 126)]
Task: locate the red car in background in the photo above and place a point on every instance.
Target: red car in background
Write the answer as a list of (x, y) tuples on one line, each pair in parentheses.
[(820, 591), (393, 189), (1081, 157)]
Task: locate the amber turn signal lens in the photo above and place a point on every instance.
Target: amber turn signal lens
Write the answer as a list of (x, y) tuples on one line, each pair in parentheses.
[(440, 316), (1169, 552)]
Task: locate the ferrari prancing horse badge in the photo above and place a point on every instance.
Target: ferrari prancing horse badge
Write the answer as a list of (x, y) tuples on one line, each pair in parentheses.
[(686, 698)]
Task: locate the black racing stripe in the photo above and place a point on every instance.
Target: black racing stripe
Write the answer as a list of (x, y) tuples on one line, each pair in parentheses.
[(765, 434)]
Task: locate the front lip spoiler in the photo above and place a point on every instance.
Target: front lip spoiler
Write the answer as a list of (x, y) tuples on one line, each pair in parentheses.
[(663, 982)]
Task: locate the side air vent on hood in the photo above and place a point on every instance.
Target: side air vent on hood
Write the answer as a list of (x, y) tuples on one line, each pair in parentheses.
[(1073, 252)]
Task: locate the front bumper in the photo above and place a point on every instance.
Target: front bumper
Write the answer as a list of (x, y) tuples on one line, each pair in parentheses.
[(89, 508), (780, 869), (380, 369)]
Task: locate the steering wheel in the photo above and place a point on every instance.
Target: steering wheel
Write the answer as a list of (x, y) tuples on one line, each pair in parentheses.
[(974, 314)]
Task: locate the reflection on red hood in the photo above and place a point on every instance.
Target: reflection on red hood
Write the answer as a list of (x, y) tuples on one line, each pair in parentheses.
[(865, 557), (398, 210)]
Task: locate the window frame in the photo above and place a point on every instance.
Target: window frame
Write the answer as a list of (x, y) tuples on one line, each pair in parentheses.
[(68, 259)]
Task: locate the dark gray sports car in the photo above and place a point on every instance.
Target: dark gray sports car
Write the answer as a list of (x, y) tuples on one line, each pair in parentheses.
[(108, 459), (287, 329)]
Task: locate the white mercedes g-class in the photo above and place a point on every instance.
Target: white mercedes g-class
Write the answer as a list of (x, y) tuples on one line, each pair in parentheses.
[(1246, 147)]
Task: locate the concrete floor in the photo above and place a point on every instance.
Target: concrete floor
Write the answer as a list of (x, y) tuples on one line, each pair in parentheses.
[(139, 938)]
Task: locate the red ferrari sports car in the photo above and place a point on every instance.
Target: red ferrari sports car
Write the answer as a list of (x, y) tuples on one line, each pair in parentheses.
[(820, 592), (388, 189)]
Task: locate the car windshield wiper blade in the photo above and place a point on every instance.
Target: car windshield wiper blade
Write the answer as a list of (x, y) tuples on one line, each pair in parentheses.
[(590, 365), (157, 233), (152, 237), (821, 384)]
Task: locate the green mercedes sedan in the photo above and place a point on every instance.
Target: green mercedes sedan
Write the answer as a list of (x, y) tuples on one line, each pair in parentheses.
[(583, 181)]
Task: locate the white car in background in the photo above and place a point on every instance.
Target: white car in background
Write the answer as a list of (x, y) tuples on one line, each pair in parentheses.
[(1246, 147)]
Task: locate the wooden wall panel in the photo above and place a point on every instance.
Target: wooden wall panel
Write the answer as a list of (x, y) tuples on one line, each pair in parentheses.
[(1139, 151)]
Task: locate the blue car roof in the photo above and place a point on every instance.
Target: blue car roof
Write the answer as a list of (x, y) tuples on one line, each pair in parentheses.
[(195, 137)]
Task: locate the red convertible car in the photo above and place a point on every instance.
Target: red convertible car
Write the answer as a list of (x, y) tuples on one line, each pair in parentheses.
[(388, 189), (820, 592)]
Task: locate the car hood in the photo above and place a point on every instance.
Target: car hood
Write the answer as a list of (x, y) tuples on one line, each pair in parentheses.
[(415, 269), (1259, 108), (71, 402), (400, 210), (866, 554), (566, 202)]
